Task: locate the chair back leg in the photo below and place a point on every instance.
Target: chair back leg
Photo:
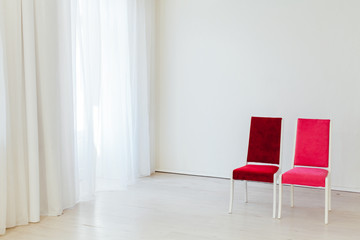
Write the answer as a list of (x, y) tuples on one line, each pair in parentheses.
[(231, 195), (292, 196), (329, 182), (246, 192)]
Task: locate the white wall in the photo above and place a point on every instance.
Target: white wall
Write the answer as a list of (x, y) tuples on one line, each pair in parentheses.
[(222, 61)]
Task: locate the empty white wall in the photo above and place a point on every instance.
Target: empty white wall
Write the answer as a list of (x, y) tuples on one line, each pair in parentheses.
[(222, 61)]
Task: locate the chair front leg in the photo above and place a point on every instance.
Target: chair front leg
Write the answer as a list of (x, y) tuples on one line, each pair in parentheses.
[(280, 195), (274, 196), (231, 194), (326, 200)]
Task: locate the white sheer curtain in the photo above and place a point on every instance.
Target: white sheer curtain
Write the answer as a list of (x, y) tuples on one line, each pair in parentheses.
[(113, 71), (74, 102), (37, 164)]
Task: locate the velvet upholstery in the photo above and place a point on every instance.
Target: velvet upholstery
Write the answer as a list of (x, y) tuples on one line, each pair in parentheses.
[(314, 177), (312, 143), (251, 172), (264, 140)]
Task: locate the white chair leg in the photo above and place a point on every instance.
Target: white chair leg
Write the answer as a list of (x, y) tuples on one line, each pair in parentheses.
[(231, 195), (329, 182), (274, 197), (326, 201), (280, 197), (246, 192), (292, 196)]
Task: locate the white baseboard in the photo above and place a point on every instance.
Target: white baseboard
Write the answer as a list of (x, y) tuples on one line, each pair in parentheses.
[(333, 187)]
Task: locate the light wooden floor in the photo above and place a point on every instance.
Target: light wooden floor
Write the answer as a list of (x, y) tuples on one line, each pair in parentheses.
[(168, 206)]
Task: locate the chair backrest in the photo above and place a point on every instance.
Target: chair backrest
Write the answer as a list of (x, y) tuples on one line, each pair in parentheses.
[(312, 142), (264, 140)]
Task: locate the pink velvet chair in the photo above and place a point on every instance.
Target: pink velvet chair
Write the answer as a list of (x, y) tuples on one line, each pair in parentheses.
[(311, 166), (263, 157)]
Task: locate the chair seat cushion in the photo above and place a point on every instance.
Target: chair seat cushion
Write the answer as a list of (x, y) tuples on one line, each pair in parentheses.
[(313, 177), (259, 173)]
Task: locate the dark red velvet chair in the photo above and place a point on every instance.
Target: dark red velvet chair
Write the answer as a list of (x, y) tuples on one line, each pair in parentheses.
[(311, 166), (263, 157)]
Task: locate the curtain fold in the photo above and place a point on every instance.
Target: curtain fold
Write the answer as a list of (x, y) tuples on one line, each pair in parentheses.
[(55, 103), (29, 75), (3, 132), (141, 45), (87, 75)]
